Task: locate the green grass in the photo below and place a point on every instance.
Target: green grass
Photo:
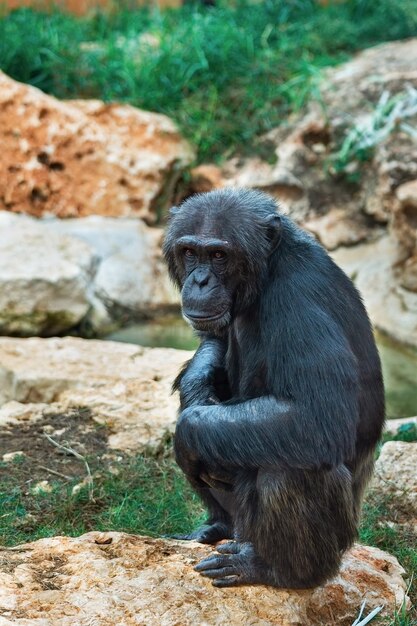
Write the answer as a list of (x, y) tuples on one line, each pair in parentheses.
[(147, 497), (390, 114), (225, 74)]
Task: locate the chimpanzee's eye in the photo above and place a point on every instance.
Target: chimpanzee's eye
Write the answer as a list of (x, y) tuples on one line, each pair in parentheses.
[(218, 255), (189, 253)]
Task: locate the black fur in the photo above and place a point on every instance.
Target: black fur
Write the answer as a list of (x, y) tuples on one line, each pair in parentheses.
[(282, 404)]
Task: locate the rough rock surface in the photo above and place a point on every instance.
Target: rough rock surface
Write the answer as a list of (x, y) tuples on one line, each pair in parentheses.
[(126, 387), (114, 578), (349, 201), (56, 273), (80, 158), (44, 280), (396, 477), (374, 268), (350, 94)]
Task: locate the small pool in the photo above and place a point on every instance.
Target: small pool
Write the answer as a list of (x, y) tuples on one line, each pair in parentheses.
[(399, 364)]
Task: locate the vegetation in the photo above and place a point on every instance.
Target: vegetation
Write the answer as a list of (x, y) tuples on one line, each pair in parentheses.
[(390, 114), (226, 74), (146, 496)]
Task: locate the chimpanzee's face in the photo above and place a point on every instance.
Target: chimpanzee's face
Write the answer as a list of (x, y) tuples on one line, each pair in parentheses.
[(208, 286), (217, 248)]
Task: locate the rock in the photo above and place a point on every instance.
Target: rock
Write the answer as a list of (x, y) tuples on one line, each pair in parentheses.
[(79, 158), (11, 456), (407, 194), (14, 413), (94, 270), (277, 180), (206, 177), (405, 230), (124, 386), (44, 279), (394, 426), (374, 268), (115, 578), (336, 193), (336, 228), (42, 486), (131, 280), (396, 477)]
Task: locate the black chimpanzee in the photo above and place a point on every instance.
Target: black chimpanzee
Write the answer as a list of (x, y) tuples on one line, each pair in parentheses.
[(282, 404)]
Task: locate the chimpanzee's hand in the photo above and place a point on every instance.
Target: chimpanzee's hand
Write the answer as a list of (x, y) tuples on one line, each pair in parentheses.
[(200, 377), (189, 425)]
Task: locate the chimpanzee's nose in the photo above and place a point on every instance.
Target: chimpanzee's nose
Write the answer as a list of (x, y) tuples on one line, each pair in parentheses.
[(201, 276)]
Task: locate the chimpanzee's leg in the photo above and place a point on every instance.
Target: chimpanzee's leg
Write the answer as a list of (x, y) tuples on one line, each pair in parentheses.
[(220, 505), (291, 529)]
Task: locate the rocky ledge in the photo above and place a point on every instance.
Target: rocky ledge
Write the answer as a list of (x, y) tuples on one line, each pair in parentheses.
[(115, 578), (124, 387)]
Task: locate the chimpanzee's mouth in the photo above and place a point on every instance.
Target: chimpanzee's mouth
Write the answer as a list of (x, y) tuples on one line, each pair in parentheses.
[(203, 318)]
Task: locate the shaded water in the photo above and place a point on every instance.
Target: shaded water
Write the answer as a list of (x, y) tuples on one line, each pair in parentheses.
[(399, 364)]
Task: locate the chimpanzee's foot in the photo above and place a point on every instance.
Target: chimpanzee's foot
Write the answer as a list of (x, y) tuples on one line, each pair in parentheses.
[(208, 533), (237, 564)]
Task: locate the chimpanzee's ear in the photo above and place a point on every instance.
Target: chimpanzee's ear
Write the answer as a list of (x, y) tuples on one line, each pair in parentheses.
[(273, 222), (173, 211)]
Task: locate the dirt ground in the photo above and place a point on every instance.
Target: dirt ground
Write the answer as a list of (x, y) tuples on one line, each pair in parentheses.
[(41, 459)]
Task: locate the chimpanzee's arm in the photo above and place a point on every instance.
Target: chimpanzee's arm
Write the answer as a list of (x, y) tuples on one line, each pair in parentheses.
[(200, 380), (315, 426)]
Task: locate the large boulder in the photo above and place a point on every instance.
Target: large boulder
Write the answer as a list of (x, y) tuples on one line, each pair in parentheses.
[(56, 273), (79, 158), (115, 578), (44, 279), (125, 387)]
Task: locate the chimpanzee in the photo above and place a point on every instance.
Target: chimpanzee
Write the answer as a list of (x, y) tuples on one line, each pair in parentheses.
[(282, 404)]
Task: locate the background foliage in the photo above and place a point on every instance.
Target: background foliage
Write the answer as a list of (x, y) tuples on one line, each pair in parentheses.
[(226, 74)]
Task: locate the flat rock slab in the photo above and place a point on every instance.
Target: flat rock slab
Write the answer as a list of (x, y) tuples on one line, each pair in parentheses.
[(126, 387), (115, 578)]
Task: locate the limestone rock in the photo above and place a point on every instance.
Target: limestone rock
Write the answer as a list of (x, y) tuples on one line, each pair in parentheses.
[(407, 194), (404, 227), (206, 178), (56, 273), (79, 158), (306, 177), (394, 426), (396, 476), (44, 279), (131, 280), (374, 267), (126, 387), (115, 578), (346, 200), (336, 228)]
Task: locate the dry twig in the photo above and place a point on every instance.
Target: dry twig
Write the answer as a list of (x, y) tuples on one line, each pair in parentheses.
[(78, 456)]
